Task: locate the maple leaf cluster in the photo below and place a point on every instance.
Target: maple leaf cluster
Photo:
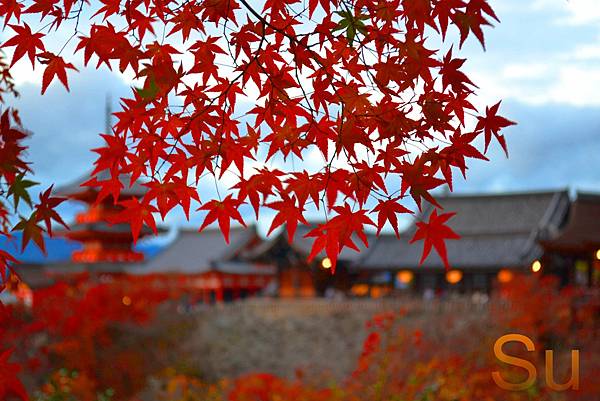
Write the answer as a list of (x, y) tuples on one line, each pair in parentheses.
[(34, 218), (73, 324), (348, 107)]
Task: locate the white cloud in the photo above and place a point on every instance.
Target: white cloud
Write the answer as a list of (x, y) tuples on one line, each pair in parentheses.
[(568, 83), (587, 52), (23, 73), (577, 85), (525, 71), (577, 12)]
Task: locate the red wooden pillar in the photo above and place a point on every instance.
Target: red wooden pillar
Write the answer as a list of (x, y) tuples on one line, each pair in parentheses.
[(220, 293)]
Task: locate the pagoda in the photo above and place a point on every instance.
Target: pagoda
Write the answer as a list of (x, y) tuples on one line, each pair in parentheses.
[(102, 241)]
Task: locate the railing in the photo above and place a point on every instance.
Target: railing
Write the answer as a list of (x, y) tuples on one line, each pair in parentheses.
[(277, 308)]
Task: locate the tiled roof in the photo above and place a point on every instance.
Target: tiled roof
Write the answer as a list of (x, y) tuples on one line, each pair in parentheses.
[(137, 189), (195, 252), (303, 245), (235, 267), (105, 227), (582, 230), (496, 230)]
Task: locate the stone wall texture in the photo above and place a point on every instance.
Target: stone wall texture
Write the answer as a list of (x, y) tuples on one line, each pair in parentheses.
[(317, 336)]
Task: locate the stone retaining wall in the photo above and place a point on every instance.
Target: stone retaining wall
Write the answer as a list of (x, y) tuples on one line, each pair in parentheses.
[(316, 335)]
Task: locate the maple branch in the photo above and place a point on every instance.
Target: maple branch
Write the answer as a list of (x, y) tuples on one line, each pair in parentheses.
[(211, 102)]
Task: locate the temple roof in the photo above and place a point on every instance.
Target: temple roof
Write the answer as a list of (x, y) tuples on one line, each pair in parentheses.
[(100, 227), (499, 230), (239, 267), (303, 245), (76, 191), (194, 252), (581, 233)]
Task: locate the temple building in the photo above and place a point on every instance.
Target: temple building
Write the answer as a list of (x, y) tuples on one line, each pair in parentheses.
[(573, 253), (500, 235), (212, 269), (296, 276)]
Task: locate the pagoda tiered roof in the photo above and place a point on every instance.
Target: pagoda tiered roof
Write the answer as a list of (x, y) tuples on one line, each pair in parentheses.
[(102, 241), (74, 190)]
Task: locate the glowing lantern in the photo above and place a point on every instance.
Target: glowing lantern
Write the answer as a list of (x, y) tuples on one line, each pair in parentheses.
[(598, 254), (360, 290), (454, 276), (326, 263), (126, 300), (405, 276), (536, 266), (505, 276)]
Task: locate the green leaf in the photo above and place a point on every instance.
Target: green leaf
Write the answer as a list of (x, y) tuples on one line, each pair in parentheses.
[(18, 190), (31, 231), (150, 91), (351, 24)]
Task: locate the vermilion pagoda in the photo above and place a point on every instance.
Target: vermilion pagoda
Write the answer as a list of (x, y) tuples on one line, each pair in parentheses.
[(102, 241)]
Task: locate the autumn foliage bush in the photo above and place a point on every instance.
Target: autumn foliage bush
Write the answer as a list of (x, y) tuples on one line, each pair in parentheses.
[(93, 329), (83, 341), (449, 358)]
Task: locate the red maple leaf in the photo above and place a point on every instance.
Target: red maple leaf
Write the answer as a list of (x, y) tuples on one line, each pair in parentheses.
[(10, 8), (386, 211), (434, 233), (223, 211), (491, 125), (26, 42), (472, 19), (137, 214), (263, 183), (45, 210), (287, 213), (337, 233), (55, 67), (6, 260)]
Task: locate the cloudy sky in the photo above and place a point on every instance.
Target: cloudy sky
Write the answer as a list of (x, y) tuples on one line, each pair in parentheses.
[(543, 60)]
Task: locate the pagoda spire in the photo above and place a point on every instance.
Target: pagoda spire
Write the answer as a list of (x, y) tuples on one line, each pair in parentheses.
[(108, 114)]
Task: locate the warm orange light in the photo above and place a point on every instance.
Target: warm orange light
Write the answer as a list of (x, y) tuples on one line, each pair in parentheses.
[(454, 276), (360, 289), (536, 266), (405, 276), (378, 292), (326, 263), (126, 300), (505, 276), (598, 254)]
